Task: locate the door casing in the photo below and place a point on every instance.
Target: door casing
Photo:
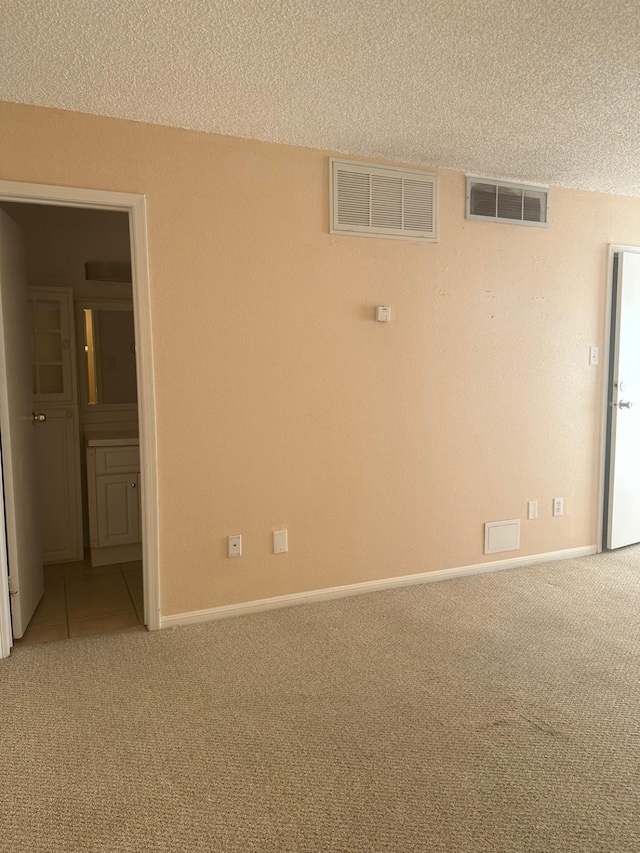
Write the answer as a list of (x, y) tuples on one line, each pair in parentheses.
[(605, 360), (135, 206)]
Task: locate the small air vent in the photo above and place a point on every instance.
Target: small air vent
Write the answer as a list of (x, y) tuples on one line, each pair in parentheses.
[(371, 201), (499, 201)]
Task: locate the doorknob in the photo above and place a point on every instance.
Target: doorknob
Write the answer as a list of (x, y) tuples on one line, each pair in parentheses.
[(626, 405), (38, 417)]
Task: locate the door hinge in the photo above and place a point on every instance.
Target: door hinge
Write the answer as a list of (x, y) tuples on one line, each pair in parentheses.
[(13, 586)]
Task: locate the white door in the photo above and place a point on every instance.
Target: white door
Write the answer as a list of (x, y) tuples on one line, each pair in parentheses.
[(623, 522), (17, 433)]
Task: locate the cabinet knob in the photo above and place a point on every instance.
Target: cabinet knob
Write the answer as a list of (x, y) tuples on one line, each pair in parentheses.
[(133, 485)]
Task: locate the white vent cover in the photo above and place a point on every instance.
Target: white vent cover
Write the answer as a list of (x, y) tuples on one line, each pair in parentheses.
[(499, 201), (502, 536), (372, 201)]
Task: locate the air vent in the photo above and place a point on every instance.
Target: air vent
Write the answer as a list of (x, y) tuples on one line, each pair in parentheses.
[(370, 201), (499, 201)]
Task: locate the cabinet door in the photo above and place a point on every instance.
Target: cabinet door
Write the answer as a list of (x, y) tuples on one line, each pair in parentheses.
[(57, 447), (118, 509), (52, 345)]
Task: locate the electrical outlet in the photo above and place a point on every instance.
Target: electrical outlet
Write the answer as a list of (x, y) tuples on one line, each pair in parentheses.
[(532, 508), (558, 506), (234, 546), (594, 356)]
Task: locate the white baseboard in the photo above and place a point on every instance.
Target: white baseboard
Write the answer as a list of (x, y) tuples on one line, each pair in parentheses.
[(246, 607)]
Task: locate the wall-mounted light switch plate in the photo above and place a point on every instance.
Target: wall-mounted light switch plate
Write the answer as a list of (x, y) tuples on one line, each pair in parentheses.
[(234, 546), (532, 510), (594, 356)]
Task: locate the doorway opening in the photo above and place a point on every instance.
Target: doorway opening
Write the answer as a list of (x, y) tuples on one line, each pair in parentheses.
[(91, 379)]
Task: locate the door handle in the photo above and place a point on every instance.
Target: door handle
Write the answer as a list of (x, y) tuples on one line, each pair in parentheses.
[(625, 405), (38, 417)]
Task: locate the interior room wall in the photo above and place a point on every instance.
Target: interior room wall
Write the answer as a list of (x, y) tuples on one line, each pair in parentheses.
[(383, 448)]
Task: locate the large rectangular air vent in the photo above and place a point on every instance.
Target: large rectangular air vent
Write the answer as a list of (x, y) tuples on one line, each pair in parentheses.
[(500, 201), (375, 201)]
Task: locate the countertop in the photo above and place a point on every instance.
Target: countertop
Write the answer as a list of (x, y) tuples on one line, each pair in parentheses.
[(113, 439)]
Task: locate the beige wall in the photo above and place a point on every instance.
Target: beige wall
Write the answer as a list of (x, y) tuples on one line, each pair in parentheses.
[(281, 402)]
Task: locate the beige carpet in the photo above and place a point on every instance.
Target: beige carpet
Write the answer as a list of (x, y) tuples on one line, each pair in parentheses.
[(496, 713)]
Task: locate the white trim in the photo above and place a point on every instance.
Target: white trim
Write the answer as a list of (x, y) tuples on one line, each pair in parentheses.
[(67, 196), (135, 206), (316, 595), (605, 352), (146, 413)]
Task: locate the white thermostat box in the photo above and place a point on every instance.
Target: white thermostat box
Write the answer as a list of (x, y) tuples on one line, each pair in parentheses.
[(383, 313)]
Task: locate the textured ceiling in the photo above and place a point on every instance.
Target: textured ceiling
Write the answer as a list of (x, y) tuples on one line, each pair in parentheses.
[(539, 90)]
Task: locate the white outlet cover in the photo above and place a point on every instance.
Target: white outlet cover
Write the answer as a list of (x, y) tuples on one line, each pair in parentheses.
[(502, 536), (234, 546), (280, 541)]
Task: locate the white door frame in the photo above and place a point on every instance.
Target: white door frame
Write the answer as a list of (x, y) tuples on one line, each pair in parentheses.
[(135, 206), (614, 248)]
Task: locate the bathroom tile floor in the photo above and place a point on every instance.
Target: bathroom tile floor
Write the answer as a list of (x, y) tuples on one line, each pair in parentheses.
[(80, 600)]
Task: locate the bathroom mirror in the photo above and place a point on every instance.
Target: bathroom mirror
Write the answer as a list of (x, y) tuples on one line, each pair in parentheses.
[(107, 333)]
